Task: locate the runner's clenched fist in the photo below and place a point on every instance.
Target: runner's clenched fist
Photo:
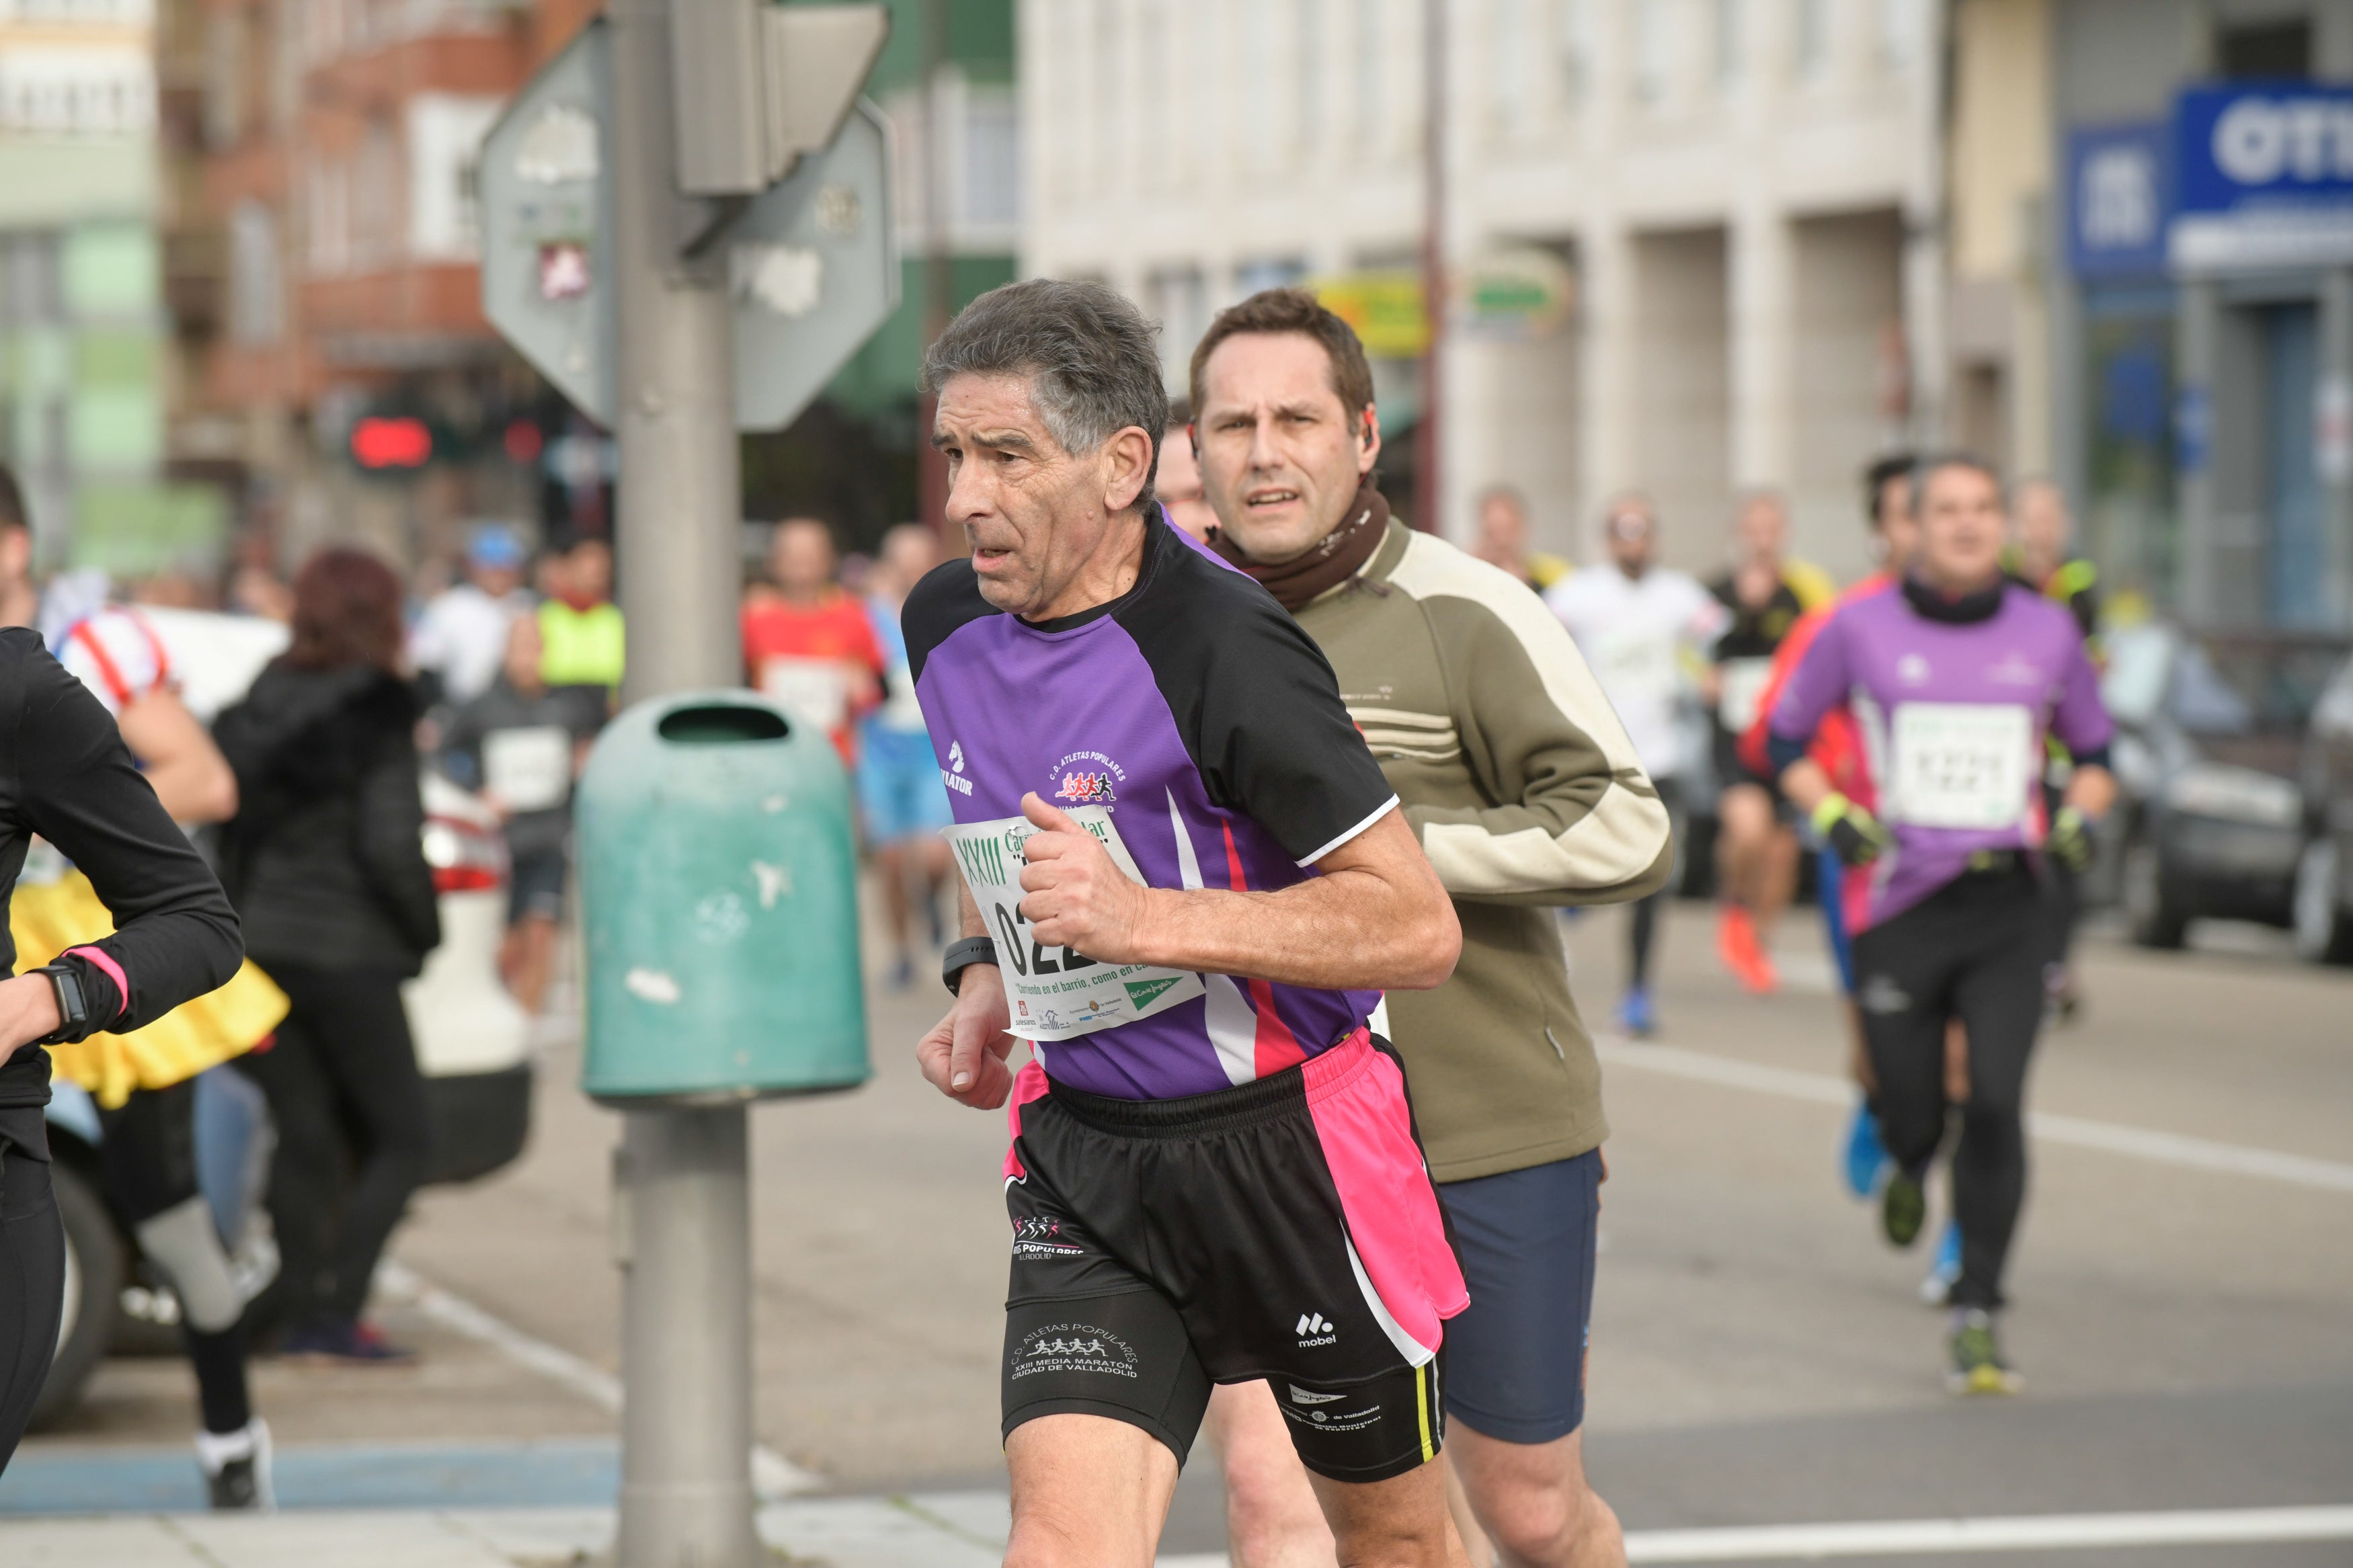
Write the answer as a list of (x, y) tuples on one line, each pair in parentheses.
[(1077, 895)]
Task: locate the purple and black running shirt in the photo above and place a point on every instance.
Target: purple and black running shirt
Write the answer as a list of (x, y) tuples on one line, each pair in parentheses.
[(1197, 712)]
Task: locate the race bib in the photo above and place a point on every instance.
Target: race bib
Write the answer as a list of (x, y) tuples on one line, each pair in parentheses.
[(1960, 765), (1739, 683), (1057, 993), (528, 770), (814, 691)]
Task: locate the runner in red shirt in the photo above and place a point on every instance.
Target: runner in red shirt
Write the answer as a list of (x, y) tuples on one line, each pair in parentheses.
[(810, 646)]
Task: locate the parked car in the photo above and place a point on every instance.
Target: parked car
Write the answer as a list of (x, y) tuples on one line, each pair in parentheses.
[(2210, 728), (473, 1043), (2324, 873)]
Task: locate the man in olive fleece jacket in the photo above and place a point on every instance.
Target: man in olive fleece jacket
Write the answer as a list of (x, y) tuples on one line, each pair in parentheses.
[(1525, 794)]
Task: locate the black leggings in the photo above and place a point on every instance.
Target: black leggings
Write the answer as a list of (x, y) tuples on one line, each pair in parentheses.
[(148, 1157), (344, 1090), (1973, 950), (32, 1271)]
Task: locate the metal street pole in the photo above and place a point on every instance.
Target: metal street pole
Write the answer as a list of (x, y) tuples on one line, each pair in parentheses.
[(930, 465), (1427, 443), (683, 1173)]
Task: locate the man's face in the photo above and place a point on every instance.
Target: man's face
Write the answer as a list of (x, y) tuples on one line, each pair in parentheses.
[(1632, 535), (1961, 528), (1179, 485), (16, 555), (801, 557), (2042, 521), (1502, 532), (1762, 530), (1034, 513), (909, 552), (589, 569), (1281, 457), (497, 581), (1899, 531)]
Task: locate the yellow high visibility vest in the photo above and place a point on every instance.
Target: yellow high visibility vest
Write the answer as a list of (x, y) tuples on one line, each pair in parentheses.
[(580, 648)]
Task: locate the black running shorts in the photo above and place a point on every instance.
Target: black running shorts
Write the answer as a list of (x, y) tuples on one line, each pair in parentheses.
[(1284, 1229)]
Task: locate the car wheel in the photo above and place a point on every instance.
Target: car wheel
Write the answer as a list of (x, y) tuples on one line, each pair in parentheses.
[(96, 1260), (2151, 915), (2323, 926)]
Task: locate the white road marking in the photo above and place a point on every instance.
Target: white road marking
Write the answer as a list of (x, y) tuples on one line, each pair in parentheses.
[(1903, 1537), (2110, 1137), (773, 1475)]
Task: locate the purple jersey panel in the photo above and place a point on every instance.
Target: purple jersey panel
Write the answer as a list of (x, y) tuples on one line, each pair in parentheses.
[(1882, 656)]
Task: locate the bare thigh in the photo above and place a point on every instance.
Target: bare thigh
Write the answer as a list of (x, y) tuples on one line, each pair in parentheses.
[(1088, 1492)]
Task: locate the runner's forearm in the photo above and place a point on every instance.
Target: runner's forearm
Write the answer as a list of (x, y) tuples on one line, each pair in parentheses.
[(1806, 785), (2092, 790)]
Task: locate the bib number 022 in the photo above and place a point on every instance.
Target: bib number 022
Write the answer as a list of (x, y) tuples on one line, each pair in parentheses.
[(1010, 925)]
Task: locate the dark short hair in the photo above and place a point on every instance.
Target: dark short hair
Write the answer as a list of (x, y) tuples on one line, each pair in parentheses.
[(12, 501), (1180, 413), (1088, 352), (346, 611), (1277, 310), (1896, 465), (1934, 463)]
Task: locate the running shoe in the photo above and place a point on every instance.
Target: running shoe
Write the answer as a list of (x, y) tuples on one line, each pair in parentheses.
[(1903, 1207), (1937, 1286), (1866, 1156), (237, 1469), (1636, 1015), (345, 1344), (1737, 947), (1978, 1365)]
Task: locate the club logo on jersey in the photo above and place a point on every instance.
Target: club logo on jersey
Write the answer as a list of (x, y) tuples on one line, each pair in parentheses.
[(955, 755), (2015, 670), (1040, 1236), (1072, 1347), (1087, 778), (953, 775), (1912, 669), (1315, 1328)]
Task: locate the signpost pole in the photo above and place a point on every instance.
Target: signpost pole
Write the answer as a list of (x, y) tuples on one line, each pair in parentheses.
[(683, 1187)]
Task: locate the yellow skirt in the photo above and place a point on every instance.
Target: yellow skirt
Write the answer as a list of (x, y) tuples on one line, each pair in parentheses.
[(50, 916)]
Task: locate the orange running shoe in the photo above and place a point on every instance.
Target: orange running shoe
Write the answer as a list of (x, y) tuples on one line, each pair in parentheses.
[(1737, 945)]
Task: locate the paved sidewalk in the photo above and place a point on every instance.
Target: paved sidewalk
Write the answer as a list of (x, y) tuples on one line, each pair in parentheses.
[(940, 1530)]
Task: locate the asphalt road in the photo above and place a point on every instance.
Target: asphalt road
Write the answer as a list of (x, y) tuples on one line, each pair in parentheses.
[(2180, 1303)]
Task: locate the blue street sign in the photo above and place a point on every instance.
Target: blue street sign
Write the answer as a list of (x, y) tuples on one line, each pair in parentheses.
[(2263, 176), (2119, 200)]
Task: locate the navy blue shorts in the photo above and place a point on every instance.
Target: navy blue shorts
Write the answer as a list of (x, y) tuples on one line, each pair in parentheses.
[(1515, 1358)]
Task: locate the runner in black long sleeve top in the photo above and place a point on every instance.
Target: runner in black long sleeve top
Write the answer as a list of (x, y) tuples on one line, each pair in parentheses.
[(65, 775)]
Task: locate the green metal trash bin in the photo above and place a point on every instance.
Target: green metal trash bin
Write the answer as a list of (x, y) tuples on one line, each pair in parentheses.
[(719, 890)]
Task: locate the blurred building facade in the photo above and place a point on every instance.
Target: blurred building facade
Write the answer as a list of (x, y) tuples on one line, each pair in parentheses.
[(84, 372), (2201, 300), (338, 234), (1742, 195)]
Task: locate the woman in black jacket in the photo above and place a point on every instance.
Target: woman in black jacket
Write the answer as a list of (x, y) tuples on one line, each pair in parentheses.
[(325, 862)]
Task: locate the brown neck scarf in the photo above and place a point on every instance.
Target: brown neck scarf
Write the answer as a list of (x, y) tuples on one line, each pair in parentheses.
[(1330, 562)]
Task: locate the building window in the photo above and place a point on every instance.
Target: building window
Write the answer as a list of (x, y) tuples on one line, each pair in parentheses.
[(2265, 50), (1900, 25), (1508, 48), (1308, 54), (28, 279), (257, 282), (1728, 41), (1273, 272), (992, 160), (1107, 94), (1654, 49), (1576, 49), (1813, 37), (1371, 95), (1178, 298), (76, 90)]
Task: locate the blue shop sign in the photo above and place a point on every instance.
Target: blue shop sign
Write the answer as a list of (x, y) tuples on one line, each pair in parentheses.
[(2263, 176), (2119, 200)]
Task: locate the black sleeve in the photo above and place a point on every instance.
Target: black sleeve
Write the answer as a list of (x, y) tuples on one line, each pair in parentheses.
[(176, 936), (946, 599), (391, 839), (1259, 710)]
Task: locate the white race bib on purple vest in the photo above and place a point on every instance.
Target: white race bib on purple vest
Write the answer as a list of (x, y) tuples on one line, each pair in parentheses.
[(1960, 765)]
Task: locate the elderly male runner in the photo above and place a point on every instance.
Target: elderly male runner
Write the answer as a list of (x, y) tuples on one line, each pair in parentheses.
[(1525, 791), (1185, 882)]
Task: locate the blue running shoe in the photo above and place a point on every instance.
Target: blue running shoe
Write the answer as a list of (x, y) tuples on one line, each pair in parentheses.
[(1866, 1156), (1636, 1016), (1937, 1289)]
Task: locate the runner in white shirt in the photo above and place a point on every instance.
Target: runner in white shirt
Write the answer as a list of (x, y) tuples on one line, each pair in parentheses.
[(462, 633), (1645, 628)]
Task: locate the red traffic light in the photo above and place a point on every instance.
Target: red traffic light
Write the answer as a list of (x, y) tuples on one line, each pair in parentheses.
[(380, 443)]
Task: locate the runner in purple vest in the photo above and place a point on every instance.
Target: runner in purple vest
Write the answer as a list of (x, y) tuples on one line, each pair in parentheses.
[(1955, 681), (1186, 881)]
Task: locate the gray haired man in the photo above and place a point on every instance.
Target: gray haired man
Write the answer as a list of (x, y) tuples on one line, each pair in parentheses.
[(1186, 884)]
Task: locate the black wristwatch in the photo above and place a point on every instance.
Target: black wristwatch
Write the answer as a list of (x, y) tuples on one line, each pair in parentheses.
[(962, 955), (73, 1005)]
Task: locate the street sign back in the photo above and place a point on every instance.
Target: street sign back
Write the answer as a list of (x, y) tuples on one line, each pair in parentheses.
[(546, 190), (814, 269), (813, 262)]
